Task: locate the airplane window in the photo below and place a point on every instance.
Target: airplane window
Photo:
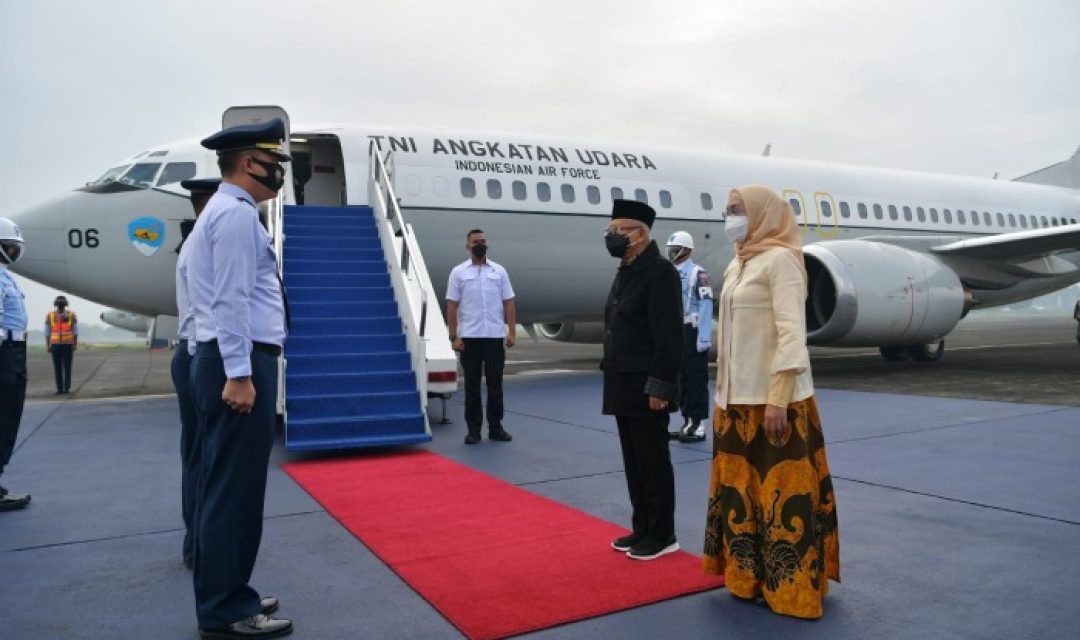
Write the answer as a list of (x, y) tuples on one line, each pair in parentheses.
[(494, 189), (593, 194), (665, 199), (468, 187), (616, 193), (641, 196), (1012, 220), (986, 218), (706, 202), (960, 216), (845, 210), (933, 215), (877, 212), (175, 172), (543, 191), (795, 205), (862, 211), (568, 193), (141, 175), (518, 187), (893, 214), (975, 218), (826, 208), (948, 216), (1044, 223), (1000, 219), (1023, 221), (920, 214), (907, 214), (111, 174)]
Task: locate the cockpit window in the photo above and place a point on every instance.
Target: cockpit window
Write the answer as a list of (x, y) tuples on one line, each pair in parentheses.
[(141, 175), (175, 172), (111, 174)]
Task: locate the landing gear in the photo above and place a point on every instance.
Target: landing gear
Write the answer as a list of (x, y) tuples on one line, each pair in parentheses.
[(928, 352), (931, 352)]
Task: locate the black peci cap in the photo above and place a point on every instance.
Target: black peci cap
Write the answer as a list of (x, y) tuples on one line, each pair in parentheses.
[(634, 210)]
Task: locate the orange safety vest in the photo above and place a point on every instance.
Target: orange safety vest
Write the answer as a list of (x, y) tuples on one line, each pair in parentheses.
[(61, 330)]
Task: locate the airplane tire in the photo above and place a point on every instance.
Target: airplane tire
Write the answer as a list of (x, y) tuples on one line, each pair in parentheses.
[(927, 352), (893, 354)]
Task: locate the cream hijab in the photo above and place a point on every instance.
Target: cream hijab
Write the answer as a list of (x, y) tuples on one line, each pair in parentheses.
[(770, 222)]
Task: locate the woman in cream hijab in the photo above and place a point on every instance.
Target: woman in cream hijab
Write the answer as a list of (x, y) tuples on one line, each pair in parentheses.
[(771, 527)]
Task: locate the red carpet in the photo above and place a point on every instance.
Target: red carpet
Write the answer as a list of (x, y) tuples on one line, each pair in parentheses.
[(494, 559)]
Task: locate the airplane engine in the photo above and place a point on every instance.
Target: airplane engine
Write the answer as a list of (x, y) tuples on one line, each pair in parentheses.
[(583, 332), (871, 294)]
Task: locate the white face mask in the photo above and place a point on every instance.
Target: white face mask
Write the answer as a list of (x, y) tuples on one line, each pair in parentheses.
[(735, 228)]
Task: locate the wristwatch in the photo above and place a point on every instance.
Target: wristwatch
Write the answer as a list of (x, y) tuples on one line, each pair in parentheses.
[(240, 379), (453, 338)]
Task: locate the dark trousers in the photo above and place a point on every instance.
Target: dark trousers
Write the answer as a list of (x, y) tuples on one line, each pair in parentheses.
[(231, 487), (12, 396), (189, 444), (694, 378), (649, 477), (485, 356), (62, 355)]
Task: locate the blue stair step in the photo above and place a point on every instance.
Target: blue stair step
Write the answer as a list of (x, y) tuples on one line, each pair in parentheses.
[(347, 433), (341, 383), (381, 279), (343, 309), (335, 255), (317, 327), (303, 211), (331, 345), (341, 266), (355, 405), (395, 361), (323, 222), (331, 295), (343, 241)]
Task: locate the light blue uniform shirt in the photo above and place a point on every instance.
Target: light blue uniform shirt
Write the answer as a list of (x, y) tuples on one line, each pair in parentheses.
[(12, 304), (183, 302), (233, 290), (697, 297)]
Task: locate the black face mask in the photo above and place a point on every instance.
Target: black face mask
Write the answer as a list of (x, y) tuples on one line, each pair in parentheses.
[(479, 250), (274, 178), (617, 244), (61, 307)]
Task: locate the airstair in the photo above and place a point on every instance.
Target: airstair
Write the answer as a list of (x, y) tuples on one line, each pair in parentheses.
[(368, 343)]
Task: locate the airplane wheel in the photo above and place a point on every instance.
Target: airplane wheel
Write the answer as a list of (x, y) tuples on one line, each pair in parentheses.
[(893, 354), (928, 352)]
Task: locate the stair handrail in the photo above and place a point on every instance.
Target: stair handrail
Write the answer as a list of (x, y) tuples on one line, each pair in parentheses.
[(411, 282), (275, 226)]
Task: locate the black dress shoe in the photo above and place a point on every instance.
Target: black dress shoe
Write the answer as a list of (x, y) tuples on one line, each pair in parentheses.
[(676, 434), (694, 431), (13, 501), (257, 626), (650, 548), (624, 543), (499, 435), (472, 438)]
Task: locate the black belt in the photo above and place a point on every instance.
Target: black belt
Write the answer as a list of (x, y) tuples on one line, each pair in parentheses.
[(264, 347)]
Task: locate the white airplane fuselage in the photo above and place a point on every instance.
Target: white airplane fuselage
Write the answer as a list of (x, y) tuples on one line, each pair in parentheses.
[(543, 203)]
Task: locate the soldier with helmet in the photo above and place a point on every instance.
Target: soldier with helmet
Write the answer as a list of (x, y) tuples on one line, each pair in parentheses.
[(697, 309), (12, 355)]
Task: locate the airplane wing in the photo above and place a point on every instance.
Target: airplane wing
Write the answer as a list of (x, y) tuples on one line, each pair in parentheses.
[(1019, 246)]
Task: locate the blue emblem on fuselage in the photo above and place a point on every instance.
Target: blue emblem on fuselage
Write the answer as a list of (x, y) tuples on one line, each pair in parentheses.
[(147, 235)]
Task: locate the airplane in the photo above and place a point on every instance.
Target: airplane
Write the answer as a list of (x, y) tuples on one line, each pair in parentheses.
[(895, 258), (134, 322)]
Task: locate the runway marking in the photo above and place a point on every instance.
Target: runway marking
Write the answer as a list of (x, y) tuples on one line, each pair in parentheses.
[(543, 372)]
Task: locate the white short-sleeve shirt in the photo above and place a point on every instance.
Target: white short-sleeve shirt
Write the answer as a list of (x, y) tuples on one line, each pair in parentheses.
[(480, 291)]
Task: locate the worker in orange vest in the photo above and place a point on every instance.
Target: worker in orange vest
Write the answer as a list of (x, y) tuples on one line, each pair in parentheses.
[(62, 340)]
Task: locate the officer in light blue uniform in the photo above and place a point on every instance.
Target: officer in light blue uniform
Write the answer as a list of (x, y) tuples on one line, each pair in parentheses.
[(190, 452), (240, 315), (697, 298), (12, 356)]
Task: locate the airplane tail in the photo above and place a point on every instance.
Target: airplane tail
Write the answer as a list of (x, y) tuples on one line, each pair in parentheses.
[(1062, 174)]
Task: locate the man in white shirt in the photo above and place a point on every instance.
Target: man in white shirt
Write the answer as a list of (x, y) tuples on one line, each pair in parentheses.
[(481, 314)]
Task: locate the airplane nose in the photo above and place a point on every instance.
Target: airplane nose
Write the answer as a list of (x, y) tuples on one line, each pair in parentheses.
[(44, 256)]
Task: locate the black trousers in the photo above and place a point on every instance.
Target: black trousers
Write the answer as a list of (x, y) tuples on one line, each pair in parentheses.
[(485, 356), (649, 476), (231, 487), (62, 354), (694, 377), (12, 396), (190, 453)]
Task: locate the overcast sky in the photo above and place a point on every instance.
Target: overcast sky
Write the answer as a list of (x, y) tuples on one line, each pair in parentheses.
[(969, 87)]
